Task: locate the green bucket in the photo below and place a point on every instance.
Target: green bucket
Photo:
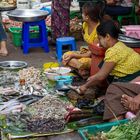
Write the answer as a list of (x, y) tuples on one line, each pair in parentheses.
[(17, 34)]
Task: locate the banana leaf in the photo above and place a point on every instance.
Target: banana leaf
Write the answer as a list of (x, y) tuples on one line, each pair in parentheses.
[(33, 135), (85, 122)]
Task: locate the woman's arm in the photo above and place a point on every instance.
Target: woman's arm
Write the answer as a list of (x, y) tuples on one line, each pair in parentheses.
[(78, 56), (100, 76), (111, 2), (68, 57)]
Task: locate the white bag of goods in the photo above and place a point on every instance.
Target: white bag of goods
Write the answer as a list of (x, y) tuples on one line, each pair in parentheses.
[(23, 4)]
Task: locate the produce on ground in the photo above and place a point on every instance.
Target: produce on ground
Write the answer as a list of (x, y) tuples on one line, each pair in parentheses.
[(49, 107), (11, 106), (128, 131), (29, 81), (75, 24), (46, 125), (31, 75), (7, 3), (44, 116), (47, 114)]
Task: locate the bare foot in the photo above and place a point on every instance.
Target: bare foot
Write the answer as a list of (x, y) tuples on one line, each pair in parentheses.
[(130, 103), (3, 50), (125, 101)]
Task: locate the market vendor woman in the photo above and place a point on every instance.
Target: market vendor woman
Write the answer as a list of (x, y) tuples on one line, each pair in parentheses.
[(121, 62), (81, 60)]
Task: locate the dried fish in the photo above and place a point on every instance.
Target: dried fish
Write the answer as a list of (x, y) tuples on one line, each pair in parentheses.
[(7, 91), (30, 74), (49, 107), (11, 106), (45, 125)]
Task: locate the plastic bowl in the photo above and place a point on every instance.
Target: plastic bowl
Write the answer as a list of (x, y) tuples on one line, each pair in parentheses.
[(63, 81), (52, 73)]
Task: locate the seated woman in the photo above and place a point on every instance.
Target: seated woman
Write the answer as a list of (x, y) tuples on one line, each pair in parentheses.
[(118, 7), (121, 62), (81, 60), (120, 98)]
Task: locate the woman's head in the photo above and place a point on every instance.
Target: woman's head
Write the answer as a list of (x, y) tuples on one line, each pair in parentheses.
[(91, 11), (107, 32)]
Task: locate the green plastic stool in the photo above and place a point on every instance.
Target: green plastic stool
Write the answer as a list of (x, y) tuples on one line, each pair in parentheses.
[(132, 15)]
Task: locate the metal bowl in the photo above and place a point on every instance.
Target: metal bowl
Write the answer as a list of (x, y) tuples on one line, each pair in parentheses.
[(13, 65), (28, 15), (127, 39)]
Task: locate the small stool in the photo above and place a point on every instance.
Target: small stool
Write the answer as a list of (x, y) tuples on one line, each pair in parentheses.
[(41, 41), (64, 41)]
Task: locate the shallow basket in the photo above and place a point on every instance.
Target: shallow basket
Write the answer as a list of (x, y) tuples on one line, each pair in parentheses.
[(94, 129)]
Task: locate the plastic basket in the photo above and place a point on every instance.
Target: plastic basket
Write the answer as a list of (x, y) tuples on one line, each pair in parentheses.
[(17, 34), (74, 14), (94, 129)]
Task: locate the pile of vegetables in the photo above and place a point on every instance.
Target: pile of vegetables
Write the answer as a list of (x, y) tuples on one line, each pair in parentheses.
[(128, 131)]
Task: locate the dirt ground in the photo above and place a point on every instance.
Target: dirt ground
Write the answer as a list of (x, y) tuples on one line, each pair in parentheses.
[(36, 56)]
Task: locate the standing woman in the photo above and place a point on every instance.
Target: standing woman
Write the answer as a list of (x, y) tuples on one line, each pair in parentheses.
[(60, 18), (3, 39)]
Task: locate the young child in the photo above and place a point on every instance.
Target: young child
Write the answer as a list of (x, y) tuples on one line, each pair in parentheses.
[(81, 60)]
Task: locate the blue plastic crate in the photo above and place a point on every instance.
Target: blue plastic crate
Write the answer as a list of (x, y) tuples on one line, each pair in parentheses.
[(94, 129)]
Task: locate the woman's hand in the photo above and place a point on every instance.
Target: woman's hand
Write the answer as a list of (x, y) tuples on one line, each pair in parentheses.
[(90, 78), (82, 89)]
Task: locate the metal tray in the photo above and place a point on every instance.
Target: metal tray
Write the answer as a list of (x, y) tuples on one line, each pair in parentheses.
[(129, 41), (7, 8), (12, 65), (27, 15)]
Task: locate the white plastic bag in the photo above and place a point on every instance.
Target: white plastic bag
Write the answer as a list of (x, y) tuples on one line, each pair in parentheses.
[(74, 6), (23, 4), (74, 3)]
